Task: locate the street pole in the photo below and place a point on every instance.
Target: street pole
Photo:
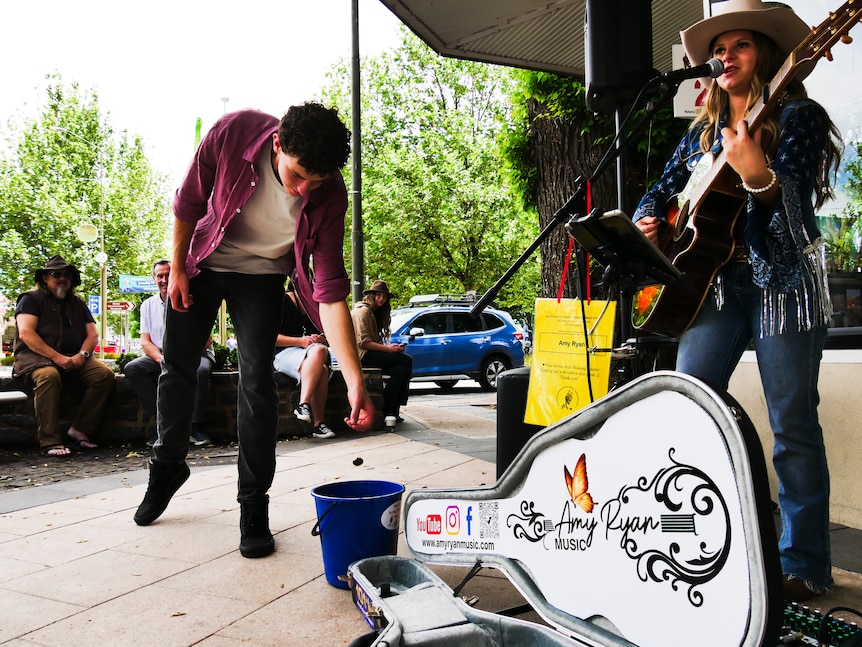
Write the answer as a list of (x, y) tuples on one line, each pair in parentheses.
[(357, 237), (222, 311), (101, 257), (103, 270)]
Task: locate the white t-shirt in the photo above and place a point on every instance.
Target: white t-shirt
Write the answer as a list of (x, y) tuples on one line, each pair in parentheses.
[(153, 319), (260, 237)]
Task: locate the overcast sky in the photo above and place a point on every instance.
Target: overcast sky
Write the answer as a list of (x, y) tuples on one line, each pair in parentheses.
[(158, 66)]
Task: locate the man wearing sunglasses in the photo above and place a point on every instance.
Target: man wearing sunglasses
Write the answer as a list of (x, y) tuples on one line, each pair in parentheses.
[(54, 341)]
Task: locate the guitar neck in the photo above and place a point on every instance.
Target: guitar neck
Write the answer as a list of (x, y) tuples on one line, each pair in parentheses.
[(769, 97), (815, 45), (771, 92)]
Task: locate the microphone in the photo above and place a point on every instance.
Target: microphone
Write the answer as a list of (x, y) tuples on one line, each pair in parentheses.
[(713, 68)]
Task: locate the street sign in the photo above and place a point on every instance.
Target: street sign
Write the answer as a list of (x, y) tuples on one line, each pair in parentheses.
[(119, 306), (93, 304), (129, 283)]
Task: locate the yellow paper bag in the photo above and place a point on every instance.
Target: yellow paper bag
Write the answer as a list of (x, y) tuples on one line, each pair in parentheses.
[(558, 374)]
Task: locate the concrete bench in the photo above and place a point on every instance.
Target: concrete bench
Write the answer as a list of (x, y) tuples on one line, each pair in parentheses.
[(123, 420), (8, 397)]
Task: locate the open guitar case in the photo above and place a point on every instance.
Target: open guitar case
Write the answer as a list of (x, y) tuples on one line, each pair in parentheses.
[(643, 519)]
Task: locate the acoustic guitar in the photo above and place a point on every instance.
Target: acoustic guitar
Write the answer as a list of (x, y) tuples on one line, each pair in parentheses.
[(700, 238)]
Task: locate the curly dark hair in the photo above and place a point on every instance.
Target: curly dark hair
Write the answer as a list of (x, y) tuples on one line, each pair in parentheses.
[(316, 137)]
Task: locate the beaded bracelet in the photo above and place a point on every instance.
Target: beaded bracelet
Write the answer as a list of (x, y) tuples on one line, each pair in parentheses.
[(763, 188)]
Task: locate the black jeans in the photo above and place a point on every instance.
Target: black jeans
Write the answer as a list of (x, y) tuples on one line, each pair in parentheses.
[(142, 374), (399, 366), (255, 304)]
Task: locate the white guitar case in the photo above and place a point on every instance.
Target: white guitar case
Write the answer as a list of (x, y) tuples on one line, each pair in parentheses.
[(643, 519)]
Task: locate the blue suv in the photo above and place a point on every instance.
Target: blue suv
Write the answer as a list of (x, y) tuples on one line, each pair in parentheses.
[(448, 344)]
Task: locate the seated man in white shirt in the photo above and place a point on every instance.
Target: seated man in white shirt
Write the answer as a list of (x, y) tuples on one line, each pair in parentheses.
[(143, 373)]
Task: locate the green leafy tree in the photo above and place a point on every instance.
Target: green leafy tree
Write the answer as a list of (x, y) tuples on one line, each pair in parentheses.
[(66, 167), (439, 213), (843, 233)]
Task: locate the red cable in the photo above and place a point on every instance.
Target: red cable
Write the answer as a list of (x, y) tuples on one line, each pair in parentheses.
[(565, 269)]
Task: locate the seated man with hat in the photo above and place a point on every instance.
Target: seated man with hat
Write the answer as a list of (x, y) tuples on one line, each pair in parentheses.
[(371, 321), (54, 341)]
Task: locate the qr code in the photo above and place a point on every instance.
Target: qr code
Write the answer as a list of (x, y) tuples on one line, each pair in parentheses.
[(489, 520)]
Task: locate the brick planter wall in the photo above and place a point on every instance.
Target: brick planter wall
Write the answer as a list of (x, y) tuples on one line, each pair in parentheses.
[(123, 422)]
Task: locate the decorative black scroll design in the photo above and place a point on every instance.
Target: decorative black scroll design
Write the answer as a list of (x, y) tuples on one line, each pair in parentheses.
[(673, 566), (529, 525)]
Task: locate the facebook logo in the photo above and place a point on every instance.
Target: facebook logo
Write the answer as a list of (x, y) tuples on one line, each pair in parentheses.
[(469, 518)]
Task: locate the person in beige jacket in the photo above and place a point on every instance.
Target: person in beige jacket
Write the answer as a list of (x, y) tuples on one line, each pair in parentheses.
[(371, 319)]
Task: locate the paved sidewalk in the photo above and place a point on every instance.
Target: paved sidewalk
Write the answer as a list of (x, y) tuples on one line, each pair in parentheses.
[(78, 571)]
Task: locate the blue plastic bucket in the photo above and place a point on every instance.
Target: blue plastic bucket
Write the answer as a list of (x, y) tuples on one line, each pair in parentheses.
[(355, 520)]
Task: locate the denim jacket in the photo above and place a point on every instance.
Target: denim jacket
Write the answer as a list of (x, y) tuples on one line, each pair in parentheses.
[(784, 247)]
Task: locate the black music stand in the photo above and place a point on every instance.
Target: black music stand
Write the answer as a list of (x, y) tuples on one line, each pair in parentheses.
[(629, 258)]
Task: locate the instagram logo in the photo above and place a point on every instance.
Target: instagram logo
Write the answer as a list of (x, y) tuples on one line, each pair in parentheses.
[(453, 520)]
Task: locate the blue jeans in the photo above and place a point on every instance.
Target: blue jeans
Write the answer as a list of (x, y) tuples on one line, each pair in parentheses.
[(255, 303), (789, 366)]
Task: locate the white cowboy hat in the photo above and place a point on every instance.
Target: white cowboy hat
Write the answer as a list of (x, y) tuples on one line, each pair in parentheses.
[(772, 19)]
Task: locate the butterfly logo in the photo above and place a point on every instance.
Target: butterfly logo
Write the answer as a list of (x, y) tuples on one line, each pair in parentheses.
[(578, 484)]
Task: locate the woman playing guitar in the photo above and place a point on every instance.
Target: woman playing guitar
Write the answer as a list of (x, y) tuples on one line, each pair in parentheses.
[(773, 290)]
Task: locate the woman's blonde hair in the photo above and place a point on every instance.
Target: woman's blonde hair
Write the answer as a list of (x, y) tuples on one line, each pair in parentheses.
[(769, 60)]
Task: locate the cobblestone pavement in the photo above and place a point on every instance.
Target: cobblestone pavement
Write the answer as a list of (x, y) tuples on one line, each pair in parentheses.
[(22, 468)]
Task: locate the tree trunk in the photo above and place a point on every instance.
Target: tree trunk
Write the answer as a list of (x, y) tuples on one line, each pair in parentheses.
[(561, 154)]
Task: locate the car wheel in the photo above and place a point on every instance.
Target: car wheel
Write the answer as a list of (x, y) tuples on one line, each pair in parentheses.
[(491, 369), (447, 385)]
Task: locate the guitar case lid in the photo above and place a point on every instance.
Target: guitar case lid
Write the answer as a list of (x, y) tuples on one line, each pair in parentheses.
[(643, 519), (407, 604)]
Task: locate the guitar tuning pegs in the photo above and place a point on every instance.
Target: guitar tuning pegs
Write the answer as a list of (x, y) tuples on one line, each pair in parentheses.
[(828, 55), (847, 39)]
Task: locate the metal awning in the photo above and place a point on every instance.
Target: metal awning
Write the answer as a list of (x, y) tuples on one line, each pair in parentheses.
[(543, 35)]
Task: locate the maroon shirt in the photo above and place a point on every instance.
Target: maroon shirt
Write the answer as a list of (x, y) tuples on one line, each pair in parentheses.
[(221, 179)]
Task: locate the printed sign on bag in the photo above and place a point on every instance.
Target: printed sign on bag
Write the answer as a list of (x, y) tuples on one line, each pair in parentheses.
[(559, 380)]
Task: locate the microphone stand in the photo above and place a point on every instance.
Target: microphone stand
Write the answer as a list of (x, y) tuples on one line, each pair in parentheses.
[(664, 93)]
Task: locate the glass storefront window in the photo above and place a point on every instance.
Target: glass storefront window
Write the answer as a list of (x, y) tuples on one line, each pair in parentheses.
[(835, 85)]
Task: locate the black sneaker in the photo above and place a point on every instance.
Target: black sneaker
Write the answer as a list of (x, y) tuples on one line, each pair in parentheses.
[(165, 480), (255, 538), (198, 437), (322, 431), (303, 412)]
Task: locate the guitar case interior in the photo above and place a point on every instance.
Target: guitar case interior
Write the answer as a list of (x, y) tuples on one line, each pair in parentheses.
[(643, 519)]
